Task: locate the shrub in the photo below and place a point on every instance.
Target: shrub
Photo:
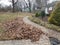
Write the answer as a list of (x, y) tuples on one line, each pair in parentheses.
[(55, 16), (42, 14), (37, 15)]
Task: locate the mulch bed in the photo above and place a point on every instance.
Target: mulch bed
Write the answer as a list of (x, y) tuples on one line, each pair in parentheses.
[(17, 29)]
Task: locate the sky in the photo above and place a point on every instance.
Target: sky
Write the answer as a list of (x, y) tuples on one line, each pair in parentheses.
[(6, 2), (50, 1)]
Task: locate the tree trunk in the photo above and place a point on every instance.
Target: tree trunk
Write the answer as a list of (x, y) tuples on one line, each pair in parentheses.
[(29, 5), (13, 6)]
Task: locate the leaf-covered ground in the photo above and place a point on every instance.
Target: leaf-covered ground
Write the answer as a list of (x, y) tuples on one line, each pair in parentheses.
[(13, 27), (17, 29)]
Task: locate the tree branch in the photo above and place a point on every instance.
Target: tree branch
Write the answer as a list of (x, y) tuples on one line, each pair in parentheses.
[(15, 2)]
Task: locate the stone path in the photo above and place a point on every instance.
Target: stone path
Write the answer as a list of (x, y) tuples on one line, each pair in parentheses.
[(27, 21), (54, 34), (51, 33), (43, 41)]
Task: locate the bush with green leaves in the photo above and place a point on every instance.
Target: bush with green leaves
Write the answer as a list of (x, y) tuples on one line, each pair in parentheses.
[(42, 14), (55, 16), (37, 15)]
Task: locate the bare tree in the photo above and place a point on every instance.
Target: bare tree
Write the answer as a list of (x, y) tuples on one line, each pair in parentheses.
[(13, 4), (42, 4), (29, 5), (26, 4)]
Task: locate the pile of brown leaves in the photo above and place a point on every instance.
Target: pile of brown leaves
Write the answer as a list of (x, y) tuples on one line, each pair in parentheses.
[(17, 29)]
